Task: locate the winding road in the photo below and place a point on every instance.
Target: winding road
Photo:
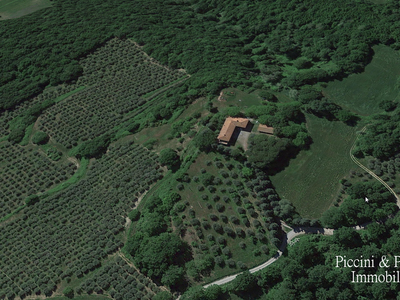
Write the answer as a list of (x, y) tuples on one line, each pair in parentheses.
[(296, 231)]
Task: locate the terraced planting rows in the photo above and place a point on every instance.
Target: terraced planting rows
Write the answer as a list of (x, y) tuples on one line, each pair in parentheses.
[(120, 281), (117, 78), (25, 171), (8, 115), (69, 234)]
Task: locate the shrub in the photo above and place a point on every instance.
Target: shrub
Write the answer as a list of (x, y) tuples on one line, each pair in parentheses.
[(195, 222), (241, 265), (250, 232), (256, 223), (211, 188), (241, 210), (16, 135), (219, 261), (206, 225), (32, 199), (234, 220), (231, 263), (223, 173), (215, 250), (265, 249), (219, 164), (227, 252), (234, 175), (224, 218), (217, 227), (217, 181), (134, 215), (68, 292), (220, 207), (213, 217), (229, 231), (221, 240), (179, 207), (206, 178), (40, 138)]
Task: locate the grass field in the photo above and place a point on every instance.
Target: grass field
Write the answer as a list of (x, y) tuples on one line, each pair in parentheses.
[(10, 9), (361, 93), (235, 97), (311, 181)]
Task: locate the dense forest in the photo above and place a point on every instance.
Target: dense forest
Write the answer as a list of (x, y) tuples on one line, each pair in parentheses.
[(222, 43)]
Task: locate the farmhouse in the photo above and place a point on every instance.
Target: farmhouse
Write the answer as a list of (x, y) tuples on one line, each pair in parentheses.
[(265, 129), (229, 127)]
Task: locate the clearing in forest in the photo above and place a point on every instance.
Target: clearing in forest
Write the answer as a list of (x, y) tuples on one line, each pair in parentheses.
[(311, 181), (361, 93), (11, 9)]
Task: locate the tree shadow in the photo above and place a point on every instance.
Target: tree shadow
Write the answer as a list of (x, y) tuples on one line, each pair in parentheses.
[(284, 158)]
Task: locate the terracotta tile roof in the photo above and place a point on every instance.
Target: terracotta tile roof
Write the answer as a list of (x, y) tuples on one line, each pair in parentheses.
[(229, 126), (265, 129)]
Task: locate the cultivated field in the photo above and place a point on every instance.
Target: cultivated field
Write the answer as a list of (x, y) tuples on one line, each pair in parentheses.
[(119, 79), (26, 171), (361, 93), (10, 9), (71, 233), (311, 181), (225, 219), (71, 237)]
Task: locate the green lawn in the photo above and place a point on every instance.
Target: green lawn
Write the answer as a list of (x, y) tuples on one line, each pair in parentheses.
[(10, 9), (361, 93), (311, 181)]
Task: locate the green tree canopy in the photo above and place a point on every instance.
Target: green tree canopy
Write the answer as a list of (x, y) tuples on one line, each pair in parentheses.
[(163, 296), (40, 138), (263, 150), (243, 283), (204, 139), (157, 254), (173, 277), (169, 158)]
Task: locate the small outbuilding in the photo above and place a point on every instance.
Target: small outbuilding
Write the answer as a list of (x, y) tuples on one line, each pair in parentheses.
[(266, 129)]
